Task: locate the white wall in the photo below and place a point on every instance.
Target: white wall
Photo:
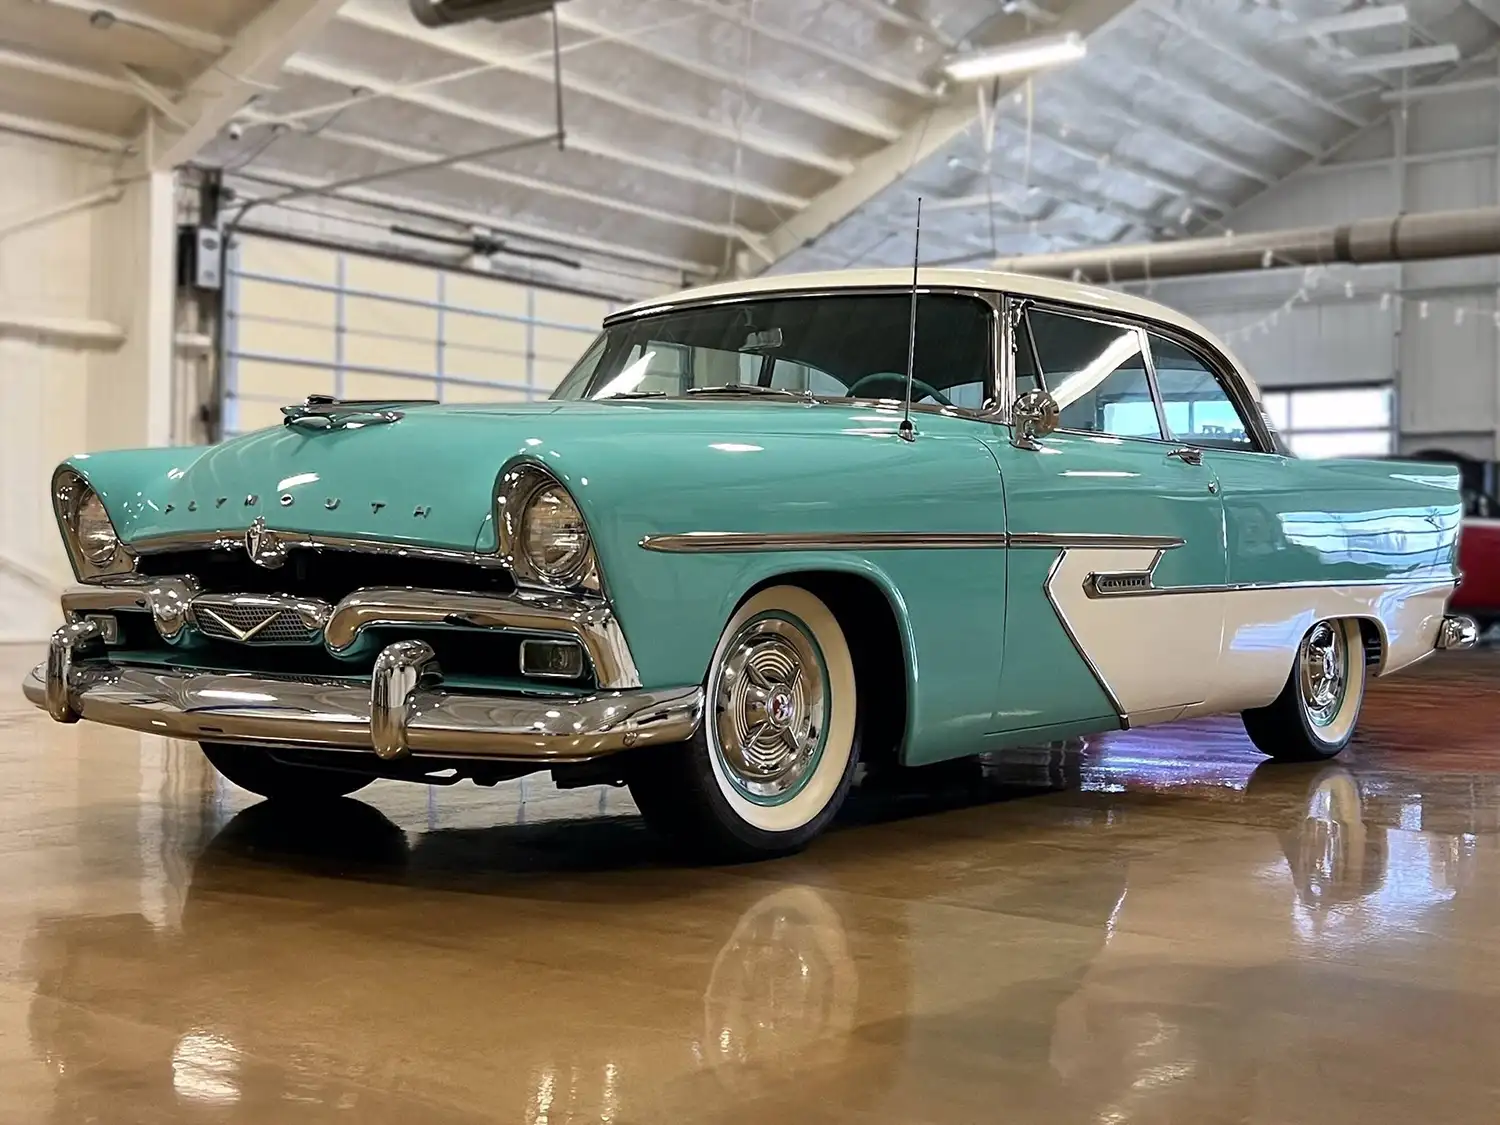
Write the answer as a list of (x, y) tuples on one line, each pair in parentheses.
[(85, 348), (1431, 327)]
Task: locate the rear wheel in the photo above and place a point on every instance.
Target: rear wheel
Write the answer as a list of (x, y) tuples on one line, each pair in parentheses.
[(1314, 716), (254, 768), (775, 755)]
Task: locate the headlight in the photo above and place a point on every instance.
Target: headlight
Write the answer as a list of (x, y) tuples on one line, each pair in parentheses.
[(94, 546), (542, 533), (96, 535), (553, 535)]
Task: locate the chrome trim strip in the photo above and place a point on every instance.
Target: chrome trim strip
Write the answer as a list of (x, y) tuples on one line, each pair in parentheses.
[(588, 619), (1088, 539), (1092, 589), (302, 540), (1073, 637), (336, 715), (725, 542)]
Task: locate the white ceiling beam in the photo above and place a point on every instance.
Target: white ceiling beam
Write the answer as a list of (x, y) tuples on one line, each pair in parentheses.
[(408, 154), (1261, 68), (482, 221), (849, 60), (1257, 121), (1173, 132), (131, 15), (309, 67), (51, 68), (154, 96), (1442, 54), (1356, 19), (891, 14), (360, 14), (1162, 181), (938, 128), (68, 134), (216, 95), (1441, 90), (811, 105)]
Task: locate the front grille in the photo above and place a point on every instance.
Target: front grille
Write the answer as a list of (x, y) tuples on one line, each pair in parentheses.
[(328, 573), (254, 625)]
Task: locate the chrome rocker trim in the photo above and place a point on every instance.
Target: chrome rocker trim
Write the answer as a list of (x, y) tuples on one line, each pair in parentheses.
[(403, 711), (587, 619)]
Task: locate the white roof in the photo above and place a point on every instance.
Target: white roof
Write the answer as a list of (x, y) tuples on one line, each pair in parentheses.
[(1045, 288)]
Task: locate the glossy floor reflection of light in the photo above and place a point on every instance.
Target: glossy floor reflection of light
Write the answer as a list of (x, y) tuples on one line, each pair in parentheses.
[(1154, 927)]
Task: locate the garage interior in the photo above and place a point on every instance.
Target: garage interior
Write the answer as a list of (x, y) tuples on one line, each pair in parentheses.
[(209, 211)]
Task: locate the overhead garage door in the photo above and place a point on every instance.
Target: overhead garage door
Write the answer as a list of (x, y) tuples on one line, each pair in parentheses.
[(303, 320)]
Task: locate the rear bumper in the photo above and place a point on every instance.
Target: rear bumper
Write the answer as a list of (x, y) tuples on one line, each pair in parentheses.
[(402, 712), (1457, 632)]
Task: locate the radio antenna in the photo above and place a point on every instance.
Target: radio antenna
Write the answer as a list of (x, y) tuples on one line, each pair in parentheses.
[(906, 431)]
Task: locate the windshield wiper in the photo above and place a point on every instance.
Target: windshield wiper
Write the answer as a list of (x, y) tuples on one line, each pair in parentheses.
[(630, 394), (741, 389)]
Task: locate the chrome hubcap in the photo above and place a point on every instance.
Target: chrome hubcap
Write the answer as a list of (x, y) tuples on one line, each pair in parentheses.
[(1322, 672), (769, 698)]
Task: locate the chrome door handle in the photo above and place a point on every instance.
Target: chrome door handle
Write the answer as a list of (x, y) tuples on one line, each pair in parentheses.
[(1188, 455)]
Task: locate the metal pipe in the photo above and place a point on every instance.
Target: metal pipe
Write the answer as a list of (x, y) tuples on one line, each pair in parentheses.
[(1396, 238)]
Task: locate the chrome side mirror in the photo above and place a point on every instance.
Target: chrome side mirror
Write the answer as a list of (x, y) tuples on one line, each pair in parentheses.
[(1033, 415)]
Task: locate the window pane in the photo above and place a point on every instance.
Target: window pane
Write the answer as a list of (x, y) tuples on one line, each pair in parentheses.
[(1340, 410), (1096, 373), (1198, 408), (1354, 443)]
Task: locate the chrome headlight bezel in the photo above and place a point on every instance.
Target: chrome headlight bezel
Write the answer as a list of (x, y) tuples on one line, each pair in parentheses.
[(71, 493), (518, 491)]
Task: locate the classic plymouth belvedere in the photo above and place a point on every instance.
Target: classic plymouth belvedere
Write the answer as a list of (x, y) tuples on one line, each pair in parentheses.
[(761, 533)]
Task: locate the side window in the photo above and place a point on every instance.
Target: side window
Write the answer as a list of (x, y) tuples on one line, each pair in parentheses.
[(1096, 372), (1199, 410)]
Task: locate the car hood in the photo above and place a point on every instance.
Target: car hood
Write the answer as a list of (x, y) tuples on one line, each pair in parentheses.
[(428, 478)]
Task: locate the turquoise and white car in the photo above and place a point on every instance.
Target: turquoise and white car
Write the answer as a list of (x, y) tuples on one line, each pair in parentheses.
[(718, 566)]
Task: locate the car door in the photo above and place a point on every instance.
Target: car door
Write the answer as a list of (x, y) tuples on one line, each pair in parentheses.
[(1106, 517)]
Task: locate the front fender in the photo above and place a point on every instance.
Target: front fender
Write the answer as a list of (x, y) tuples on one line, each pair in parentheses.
[(949, 603)]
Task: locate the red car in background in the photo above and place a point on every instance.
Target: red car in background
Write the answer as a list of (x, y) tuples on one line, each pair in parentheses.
[(1478, 592)]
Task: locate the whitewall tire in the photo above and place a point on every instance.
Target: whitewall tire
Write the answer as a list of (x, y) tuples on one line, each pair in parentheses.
[(776, 752), (1314, 716)]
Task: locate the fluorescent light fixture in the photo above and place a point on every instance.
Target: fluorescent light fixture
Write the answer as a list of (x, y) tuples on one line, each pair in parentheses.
[(1013, 58), (1401, 60), (1359, 19)]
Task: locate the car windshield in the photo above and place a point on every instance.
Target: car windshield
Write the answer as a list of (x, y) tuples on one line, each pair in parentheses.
[(839, 345)]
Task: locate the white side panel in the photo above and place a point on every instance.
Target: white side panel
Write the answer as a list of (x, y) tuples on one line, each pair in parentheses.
[(1153, 653), (1263, 628), (1222, 650)]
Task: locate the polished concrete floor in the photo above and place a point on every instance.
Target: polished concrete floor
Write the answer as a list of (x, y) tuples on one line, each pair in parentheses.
[(1154, 927)]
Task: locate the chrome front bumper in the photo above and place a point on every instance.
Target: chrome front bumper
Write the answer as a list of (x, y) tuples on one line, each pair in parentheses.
[(414, 716)]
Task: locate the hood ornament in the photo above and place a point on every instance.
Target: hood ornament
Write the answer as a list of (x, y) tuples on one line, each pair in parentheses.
[(324, 412), (264, 547)]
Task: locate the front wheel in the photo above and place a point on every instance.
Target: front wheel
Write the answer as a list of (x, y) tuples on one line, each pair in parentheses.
[(254, 768), (775, 755), (1313, 718)]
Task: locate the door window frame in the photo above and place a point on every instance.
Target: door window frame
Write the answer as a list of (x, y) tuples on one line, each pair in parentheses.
[(1223, 372)]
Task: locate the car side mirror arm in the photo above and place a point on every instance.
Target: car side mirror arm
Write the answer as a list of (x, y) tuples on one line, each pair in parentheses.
[(1033, 415)]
